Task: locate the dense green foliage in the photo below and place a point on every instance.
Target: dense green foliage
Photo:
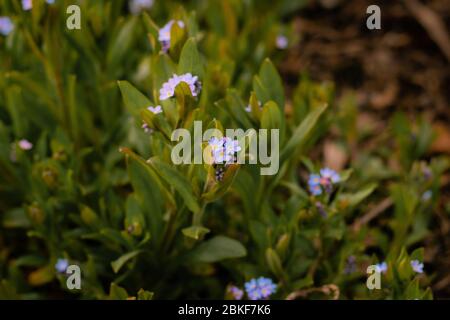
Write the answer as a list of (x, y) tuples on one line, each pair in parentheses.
[(99, 191)]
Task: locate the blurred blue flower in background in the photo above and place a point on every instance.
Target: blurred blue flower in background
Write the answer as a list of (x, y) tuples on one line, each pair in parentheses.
[(417, 266), (325, 179), (314, 184), (381, 267), (236, 293), (330, 175), (28, 4), (427, 195), (281, 42), (155, 110), (137, 6), (6, 26), (24, 144), (61, 265), (164, 34)]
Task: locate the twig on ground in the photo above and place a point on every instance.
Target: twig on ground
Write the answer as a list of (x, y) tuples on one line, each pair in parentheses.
[(378, 209), (432, 23), (328, 289)]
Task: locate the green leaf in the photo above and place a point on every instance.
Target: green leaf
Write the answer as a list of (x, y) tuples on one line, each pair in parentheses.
[(185, 100), (217, 249), (190, 60), (177, 181), (271, 116), (167, 194), (150, 25), (302, 132), (413, 290), (303, 283), (149, 194), (122, 43), (274, 263), (351, 200), (7, 291), (195, 232), (134, 100), (220, 188), (134, 217), (177, 39), (42, 276), (144, 295), (119, 263), (16, 109), (89, 216), (259, 233), (236, 108), (268, 84), (16, 218), (417, 254), (156, 121), (117, 293)]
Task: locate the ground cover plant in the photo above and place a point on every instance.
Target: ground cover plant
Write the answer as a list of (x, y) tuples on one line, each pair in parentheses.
[(88, 177)]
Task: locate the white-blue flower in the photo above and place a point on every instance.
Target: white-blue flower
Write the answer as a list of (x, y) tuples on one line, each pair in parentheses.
[(224, 149), (137, 6), (215, 144), (330, 174), (427, 195), (24, 144), (6, 26), (164, 34), (248, 108), (417, 266), (281, 42), (61, 265), (260, 288), (168, 88), (155, 110), (381, 267), (231, 146), (27, 5)]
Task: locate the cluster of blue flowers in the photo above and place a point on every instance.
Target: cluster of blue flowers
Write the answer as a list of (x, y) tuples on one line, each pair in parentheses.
[(260, 288), (323, 181), (223, 150)]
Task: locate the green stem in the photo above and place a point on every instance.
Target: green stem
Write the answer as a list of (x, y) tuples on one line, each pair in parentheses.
[(198, 217)]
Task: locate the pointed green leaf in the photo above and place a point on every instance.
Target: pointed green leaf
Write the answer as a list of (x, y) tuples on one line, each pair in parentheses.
[(134, 100), (190, 60), (217, 249), (176, 180), (302, 132), (268, 84), (119, 263)]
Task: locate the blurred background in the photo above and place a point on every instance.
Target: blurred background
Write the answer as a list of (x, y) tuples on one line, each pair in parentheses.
[(58, 89), (404, 67)]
